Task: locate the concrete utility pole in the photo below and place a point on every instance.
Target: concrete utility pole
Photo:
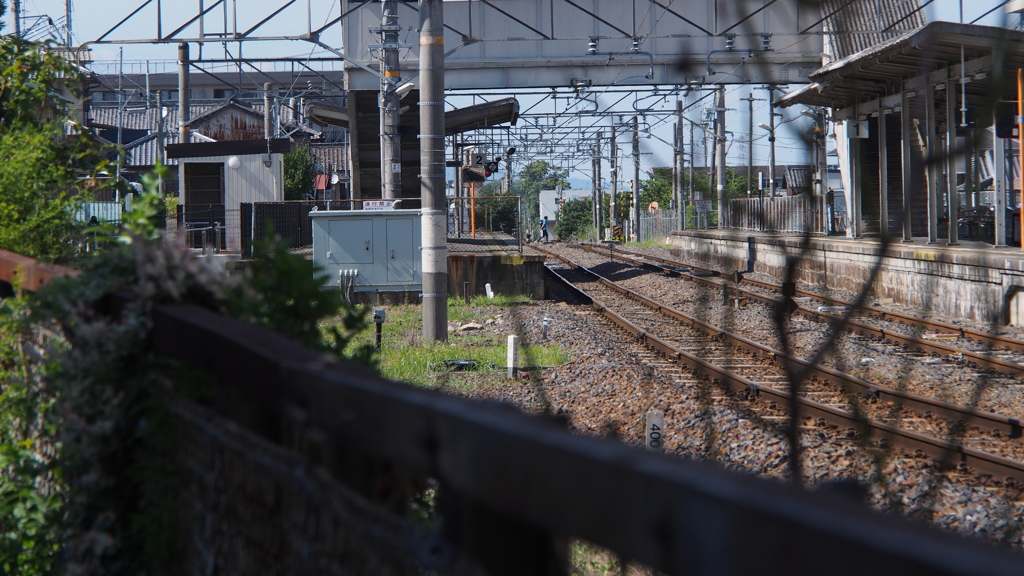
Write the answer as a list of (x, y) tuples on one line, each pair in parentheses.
[(693, 164), (595, 164), (434, 218), (390, 105), (750, 138), (184, 106), (635, 216), (723, 206), (612, 218), (16, 8)]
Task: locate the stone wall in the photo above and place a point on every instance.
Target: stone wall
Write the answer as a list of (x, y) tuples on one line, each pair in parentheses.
[(974, 284)]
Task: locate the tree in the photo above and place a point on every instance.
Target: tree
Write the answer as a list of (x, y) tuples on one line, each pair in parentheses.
[(656, 188), (299, 173), (536, 176), (45, 171), (575, 220)]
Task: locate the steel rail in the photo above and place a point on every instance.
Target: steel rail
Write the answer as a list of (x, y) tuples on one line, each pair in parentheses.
[(980, 418), (981, 462), (980, 359)]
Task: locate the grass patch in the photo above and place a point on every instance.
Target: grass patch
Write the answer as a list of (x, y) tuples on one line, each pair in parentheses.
[(404, 356)]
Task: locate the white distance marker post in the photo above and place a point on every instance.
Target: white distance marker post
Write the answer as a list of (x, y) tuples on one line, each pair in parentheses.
[(487, 288), (513, 355), (655, 430)]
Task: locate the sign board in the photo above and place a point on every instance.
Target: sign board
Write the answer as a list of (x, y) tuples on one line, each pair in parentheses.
[(856, 128), (378, 204), (703, 206), (396, 167)]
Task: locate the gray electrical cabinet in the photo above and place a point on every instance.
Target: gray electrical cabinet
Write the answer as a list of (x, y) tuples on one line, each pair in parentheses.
[(369, 250)]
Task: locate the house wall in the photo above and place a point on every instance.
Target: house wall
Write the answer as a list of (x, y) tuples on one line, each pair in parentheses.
[(252, 181)]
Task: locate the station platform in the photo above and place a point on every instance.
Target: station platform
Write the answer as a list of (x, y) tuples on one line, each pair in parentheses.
[(494, 258), (972, 281)]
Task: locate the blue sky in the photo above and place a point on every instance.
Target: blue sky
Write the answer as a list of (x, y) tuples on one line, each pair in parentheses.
[(91, 18)]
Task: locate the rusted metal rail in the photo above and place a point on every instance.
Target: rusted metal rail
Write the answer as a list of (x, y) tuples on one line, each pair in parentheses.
[(528, 476), (981, 360), (982, 462)]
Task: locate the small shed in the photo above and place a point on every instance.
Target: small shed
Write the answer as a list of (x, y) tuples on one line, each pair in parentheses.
[(215, 177)]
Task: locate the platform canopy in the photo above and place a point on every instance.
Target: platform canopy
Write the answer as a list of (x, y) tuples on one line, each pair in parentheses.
[(984, 58)]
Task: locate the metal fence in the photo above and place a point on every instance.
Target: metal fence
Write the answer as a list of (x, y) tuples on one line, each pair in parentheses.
[(209, 226), (109, 212), (658, 225), (789, 214), (288, 220)]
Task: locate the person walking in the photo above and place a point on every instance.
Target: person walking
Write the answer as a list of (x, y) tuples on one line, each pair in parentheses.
[(544, 230)]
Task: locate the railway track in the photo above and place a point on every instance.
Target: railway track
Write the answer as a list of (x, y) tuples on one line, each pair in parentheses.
[(752, 370), (994, 342)]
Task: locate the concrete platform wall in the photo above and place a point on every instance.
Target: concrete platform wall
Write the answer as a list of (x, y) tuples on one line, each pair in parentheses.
[(507, 273), (976, 285)]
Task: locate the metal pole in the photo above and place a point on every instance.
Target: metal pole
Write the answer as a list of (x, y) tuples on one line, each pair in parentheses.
[(679, 164), (390, 107), (612, 217), (750, 139), (883, 175), (434, 236), (597, 186), (16, 7), (1020, 149), (723, 205), (952, 198), (120, 112), (771, 150), (999, 203), (693, 163), (160, 136), (635, 216), (268, 130), (907, 153), (67, 21)]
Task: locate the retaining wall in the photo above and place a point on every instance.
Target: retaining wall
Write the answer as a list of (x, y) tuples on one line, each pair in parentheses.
[(977, 284)]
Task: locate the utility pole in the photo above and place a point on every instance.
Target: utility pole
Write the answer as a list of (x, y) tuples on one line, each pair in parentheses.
[(612, 216), (595, 163), (68, 22), (771, 151), (693, 164), (750, 138), (723, 206), (434, 237), (677, 148), (16, 7), (635, 216), (390, 107), (184, 107)]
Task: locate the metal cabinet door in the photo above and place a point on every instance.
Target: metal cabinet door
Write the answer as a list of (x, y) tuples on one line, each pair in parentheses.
[(350, 241), (400, 254)]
